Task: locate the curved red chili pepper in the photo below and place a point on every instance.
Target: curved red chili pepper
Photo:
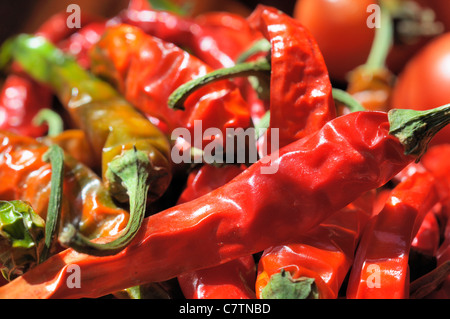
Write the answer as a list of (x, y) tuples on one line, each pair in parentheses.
[(234, 279), (301, 98), (380, 269), (317, 175)]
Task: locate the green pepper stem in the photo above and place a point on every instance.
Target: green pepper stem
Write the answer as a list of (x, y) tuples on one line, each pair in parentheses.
[(282, 286), (55, 155), (263, 125), (179, 96), (415, 129), (131, 171), (346, 98), (383, 40), (52, 119), (260, 46)]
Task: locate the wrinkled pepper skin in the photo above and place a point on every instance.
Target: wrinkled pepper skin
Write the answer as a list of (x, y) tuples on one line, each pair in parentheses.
[(234, 279), (216, 38), (381, 268), (146, 70), (325, 253), (86, 200), (301, 98), (111, 124), (316, 176)]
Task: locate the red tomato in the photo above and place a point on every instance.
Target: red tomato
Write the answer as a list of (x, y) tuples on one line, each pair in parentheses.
[(340, 29), (425, 81)]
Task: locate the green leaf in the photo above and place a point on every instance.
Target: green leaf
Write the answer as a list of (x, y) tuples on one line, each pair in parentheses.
[(22, 234), (282, 286)]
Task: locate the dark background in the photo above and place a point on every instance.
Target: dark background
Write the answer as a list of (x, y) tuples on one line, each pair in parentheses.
[(27, 15)]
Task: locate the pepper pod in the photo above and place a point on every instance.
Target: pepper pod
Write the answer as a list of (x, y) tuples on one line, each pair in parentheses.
[(130, 152)]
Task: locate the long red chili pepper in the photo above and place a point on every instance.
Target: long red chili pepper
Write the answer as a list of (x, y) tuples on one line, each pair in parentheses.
[(315, 265), (380, 269), (232, 280), (300, 90), (317, 176), (301, 99)]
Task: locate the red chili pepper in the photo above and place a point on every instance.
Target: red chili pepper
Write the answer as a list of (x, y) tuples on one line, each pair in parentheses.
[(436, 162), (319, 261), (380, 269), (216, 38), (79, 43), (234, 279), (21, 99), (301, 98), (427, 239), (206, 179), (317, 175), (146, 70)]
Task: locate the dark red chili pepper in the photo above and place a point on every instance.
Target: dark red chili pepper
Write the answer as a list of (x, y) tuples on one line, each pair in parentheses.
[(234, 279), (315, 265), (380, 269), (314, 177)]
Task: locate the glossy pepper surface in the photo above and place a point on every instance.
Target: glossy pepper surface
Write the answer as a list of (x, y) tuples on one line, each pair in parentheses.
[(237, 219), (300, 90), (322, 256), (380, 269), (216, 38), (146, 70), (86, 201), (111, 124), (232, 280)]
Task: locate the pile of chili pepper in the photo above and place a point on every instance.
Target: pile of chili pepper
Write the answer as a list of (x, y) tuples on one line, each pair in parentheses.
[(346, 198)]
